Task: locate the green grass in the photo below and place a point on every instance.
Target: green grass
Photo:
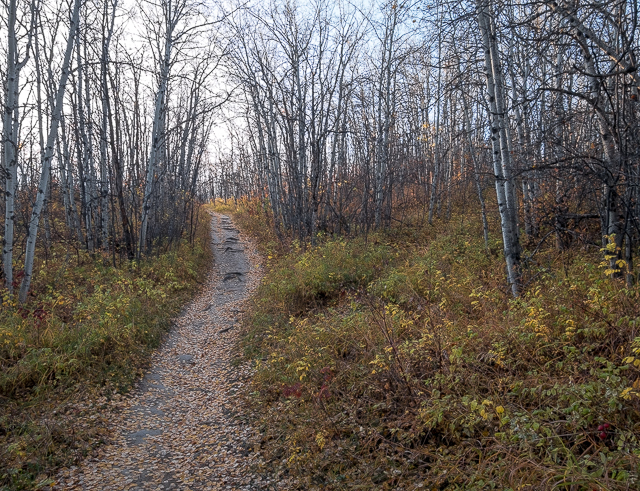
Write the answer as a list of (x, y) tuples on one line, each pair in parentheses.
[(402, 360), (84, 335)]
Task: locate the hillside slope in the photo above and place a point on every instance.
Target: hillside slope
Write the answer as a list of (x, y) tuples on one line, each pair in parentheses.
[(400, 361)]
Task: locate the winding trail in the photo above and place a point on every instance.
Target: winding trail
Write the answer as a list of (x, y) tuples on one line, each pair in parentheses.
[(181, 428)]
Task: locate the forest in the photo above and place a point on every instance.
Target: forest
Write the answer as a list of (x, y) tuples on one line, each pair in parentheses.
[(473, 167), (107, 116), (355, 119), (343, 117)]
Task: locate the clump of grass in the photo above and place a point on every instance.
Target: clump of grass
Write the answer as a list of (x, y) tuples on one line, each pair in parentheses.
[(85, 333), (420, 368)]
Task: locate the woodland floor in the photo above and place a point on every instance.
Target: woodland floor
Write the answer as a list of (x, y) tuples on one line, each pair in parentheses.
[(183, 426)]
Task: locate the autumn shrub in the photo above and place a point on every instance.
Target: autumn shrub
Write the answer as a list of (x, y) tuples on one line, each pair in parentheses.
[(85, 332), (402, 362)]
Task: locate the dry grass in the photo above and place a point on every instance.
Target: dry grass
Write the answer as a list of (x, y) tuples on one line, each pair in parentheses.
[(401, 362), (76, 345)]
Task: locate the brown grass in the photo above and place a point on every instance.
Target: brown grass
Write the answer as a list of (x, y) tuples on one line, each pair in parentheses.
[(77, 345), (402, 360)]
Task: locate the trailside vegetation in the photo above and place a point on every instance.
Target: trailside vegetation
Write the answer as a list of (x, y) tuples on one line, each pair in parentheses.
[(400, 360), (88, 329)]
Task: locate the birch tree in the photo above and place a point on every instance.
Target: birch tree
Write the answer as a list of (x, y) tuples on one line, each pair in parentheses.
[(171, 29), (47, 154), (505, 190), (17, 58)]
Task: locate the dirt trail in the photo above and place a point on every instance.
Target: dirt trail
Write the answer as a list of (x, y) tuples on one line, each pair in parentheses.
[(180, 429)]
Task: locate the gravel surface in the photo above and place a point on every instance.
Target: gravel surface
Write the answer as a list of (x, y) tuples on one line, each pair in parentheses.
[(182, 426)]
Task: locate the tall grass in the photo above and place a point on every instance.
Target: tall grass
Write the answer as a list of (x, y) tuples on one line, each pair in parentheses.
[(402, 362), (83, 336)]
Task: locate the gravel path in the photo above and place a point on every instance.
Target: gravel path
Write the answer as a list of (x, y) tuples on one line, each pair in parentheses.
[(180, 428)]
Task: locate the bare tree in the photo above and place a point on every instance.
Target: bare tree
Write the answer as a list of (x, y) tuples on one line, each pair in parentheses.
[(47, 154), (16, 60)]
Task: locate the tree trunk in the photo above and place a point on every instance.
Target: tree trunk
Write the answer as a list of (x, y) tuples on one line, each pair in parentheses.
[(48, 156), (10, 128), (501, 156), (157, 135)]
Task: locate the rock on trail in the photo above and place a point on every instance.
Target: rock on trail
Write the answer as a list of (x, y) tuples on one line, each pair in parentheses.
[(180, 428)]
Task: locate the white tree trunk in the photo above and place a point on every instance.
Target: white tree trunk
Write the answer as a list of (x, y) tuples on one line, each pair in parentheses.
[(47, 156), (10, 124), (157, 135), (501, 156), (435, 178)]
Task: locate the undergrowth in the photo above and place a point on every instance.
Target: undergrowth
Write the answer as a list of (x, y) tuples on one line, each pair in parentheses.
[(401, 362), (77, 344)]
